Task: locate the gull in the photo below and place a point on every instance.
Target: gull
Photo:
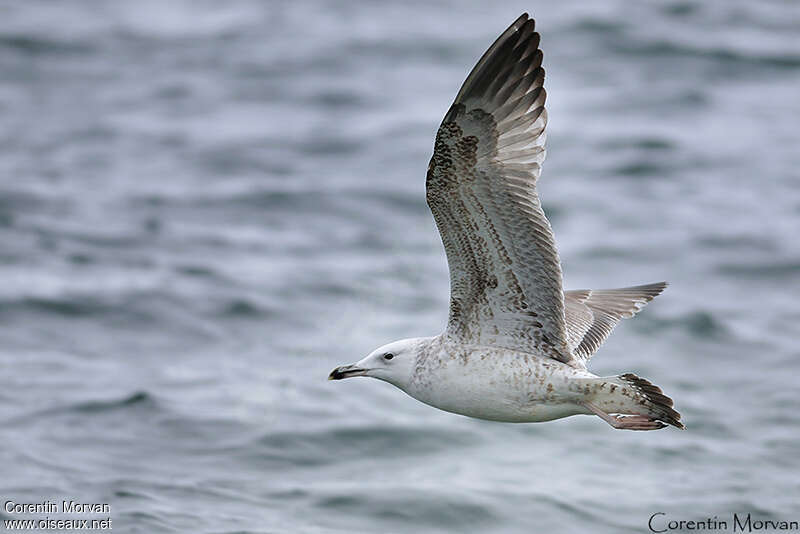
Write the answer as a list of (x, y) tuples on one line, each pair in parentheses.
[(516, 345)]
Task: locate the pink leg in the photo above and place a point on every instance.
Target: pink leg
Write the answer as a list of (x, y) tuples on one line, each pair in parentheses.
[(628, 422)]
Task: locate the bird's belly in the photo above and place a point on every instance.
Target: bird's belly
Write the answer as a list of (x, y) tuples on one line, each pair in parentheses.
[(499, 386), (508, 410)]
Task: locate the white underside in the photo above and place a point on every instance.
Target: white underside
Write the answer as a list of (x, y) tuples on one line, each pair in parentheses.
[(499, 385)]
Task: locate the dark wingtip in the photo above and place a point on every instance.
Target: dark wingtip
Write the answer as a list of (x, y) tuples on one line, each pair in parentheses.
[(650, 291), (661, 287), (494, 55)]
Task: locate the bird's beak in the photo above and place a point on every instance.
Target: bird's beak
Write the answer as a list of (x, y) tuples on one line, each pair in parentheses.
[(346, 371)]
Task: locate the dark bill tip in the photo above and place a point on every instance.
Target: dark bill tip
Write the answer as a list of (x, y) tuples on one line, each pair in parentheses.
[(346, 371)]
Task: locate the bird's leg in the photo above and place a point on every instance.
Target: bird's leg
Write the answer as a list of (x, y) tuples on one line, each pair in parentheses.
[(628, 422)]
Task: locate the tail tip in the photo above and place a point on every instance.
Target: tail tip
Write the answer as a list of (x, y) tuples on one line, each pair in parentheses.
[(660, 404)]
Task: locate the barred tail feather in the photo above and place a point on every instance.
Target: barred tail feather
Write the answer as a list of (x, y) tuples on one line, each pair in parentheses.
[(650, 397)]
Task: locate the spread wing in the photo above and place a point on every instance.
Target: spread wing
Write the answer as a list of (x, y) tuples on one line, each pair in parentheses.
[(505, 275), (591, 315)]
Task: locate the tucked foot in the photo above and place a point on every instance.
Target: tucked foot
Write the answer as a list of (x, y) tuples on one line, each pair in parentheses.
[(626, 422)]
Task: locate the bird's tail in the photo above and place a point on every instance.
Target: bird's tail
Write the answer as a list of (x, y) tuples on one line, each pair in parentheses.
[(629, 394)]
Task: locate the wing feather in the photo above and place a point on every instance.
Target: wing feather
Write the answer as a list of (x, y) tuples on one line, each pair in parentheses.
[(505, 275), (591, 315)]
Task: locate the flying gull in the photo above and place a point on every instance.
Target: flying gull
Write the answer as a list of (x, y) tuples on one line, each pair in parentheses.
[(516, 344)]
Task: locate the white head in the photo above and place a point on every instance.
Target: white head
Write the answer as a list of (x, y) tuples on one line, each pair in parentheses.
[(393, 363)]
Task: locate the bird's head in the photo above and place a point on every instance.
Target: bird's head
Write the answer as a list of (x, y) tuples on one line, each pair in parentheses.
[(393, 363)]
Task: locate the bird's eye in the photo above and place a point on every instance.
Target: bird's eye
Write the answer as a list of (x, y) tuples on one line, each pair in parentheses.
[(388, 356)]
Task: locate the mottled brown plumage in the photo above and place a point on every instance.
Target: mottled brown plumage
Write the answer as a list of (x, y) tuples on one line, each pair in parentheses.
[(505, 273), (516, 345)]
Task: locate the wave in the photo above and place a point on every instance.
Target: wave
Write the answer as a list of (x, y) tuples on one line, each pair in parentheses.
[(67, 307), (139, 399), (727, 56), (37, 45), (350, 444)]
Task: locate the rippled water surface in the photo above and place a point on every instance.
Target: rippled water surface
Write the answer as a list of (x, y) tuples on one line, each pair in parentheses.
[(205, 206)]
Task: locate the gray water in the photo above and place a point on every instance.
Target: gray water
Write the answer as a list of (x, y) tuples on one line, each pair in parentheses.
[(206, 206)]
